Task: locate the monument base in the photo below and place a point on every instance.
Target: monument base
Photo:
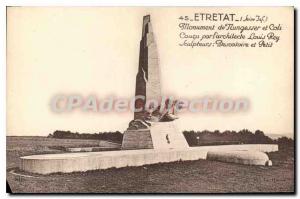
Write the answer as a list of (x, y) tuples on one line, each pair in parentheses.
[(160, 135), (86, 161), (137, 139)]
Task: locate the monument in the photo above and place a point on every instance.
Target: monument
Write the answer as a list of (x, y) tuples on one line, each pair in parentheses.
[(152, 131), (151, 128)]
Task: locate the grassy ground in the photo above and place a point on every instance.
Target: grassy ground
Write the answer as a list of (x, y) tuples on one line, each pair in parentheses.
[(199, 176)]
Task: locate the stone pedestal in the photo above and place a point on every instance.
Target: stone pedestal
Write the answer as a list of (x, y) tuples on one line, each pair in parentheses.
[(160, 135), (137, 139)]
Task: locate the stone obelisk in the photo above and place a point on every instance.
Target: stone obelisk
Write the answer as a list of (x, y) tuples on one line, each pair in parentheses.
[(147, 131), (148, 76)]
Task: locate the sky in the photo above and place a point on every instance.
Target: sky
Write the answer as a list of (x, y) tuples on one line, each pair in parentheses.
[(94, 51)]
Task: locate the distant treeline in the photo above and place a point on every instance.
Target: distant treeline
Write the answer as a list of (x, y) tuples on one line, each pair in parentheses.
[(116, 136), (200, 138), (194, 138)]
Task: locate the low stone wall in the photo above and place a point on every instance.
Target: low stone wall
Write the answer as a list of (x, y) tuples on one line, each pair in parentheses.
[(85, 161)]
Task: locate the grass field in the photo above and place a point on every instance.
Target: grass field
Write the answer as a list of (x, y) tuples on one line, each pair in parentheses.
[(199, 176)]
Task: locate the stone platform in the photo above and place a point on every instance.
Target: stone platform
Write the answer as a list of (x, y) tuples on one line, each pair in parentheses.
[(85, 161)]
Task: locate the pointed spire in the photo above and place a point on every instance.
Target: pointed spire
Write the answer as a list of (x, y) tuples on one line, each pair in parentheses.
[(146, 23)]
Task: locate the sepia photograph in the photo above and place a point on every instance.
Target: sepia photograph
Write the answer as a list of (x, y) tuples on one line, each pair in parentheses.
[(150, 100)]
